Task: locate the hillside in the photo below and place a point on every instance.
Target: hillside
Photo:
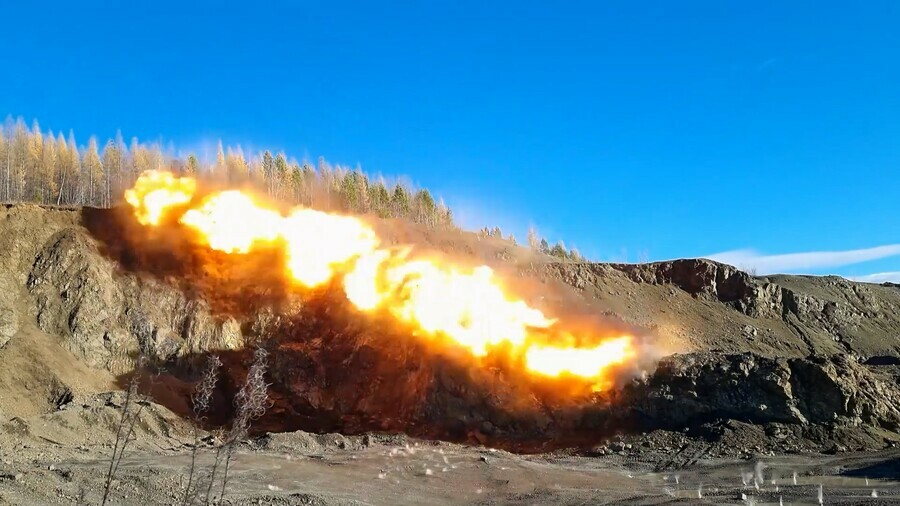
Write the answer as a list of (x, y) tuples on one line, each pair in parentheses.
[(761, 365), (62, 291)]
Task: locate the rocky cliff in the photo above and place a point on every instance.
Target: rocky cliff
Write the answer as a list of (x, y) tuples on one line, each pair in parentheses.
[(802, 351)]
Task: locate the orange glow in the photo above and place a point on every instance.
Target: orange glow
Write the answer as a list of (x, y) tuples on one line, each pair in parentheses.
[(469, 307), (585, 362), (231, 222), (155, 192)]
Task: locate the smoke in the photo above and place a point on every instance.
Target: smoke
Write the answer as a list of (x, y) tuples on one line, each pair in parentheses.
[(238, 287), (336, 368)]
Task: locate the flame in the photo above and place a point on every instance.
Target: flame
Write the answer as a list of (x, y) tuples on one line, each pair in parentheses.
[(231, 222), (469, 308), (155, 191)]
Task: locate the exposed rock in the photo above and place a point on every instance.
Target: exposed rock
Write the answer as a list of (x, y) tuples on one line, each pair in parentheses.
[(107, 317), (693, 389), (697, 277), (707, 305), (327, 375), (9, 321)]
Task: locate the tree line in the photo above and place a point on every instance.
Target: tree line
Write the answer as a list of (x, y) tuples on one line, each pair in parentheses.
[(53, 169), (536, 243)]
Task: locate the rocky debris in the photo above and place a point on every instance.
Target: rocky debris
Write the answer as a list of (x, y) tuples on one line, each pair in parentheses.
[(310, 443), (692, 389), (341, 384)]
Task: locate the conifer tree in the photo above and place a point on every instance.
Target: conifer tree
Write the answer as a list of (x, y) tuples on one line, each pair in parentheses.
[(268, 172), (424, 208), (400, 202), (380, 200), (112, 169), (192, 166), (93, 172), (5, 155), (281, 175)]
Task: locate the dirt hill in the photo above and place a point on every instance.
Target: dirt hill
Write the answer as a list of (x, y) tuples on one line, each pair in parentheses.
[(760, 364), (72, 315)]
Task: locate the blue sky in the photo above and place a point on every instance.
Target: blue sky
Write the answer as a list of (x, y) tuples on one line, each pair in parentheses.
[(631, 130)]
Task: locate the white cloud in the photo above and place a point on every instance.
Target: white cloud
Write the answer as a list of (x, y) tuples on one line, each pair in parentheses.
[(881, 277), (751, 260)]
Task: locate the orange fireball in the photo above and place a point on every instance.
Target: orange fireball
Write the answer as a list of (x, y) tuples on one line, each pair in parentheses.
[(468, 307)]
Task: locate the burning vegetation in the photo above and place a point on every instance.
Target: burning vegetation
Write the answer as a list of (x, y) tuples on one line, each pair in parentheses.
[(444, 304)]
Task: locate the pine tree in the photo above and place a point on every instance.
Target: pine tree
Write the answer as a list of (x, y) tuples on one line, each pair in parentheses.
[(155, 157), (192, 166), (236, 165), (112, 169), (424, 208), (35, 165), (354, 192), (21, 149), (380, 200), (93, 171), (5, 156), (296, 184), (559, 250), (400, 202), (268, 172), (53, 166), (220, 171), (282, 175), (50, 168), (70, 167)]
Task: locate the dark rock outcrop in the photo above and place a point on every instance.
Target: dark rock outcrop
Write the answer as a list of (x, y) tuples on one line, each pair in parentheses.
[(693, 389)]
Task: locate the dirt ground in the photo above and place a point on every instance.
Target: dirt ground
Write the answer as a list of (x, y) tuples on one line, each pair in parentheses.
[(301, 468)]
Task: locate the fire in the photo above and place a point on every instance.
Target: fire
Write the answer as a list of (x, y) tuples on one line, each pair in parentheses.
[(155, 192), (465, 307), (231, 222)]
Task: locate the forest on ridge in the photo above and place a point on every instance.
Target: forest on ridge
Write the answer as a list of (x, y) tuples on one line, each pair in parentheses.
[(53, 169)]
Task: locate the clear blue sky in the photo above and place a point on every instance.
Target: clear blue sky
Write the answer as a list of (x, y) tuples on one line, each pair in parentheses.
[(664, 129)]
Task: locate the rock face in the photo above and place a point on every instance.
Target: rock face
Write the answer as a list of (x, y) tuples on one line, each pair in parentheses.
[(101, 314), (693, 389), (9, 321), (106, 316), (701, 305), (784, 350)]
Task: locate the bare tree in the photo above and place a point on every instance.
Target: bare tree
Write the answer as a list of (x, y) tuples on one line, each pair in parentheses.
[(200, 400), (251, 403), (125, 428)]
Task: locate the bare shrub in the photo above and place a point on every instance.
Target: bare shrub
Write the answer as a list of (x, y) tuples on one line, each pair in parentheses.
[(251, 403), (125, 428), (200, 400)]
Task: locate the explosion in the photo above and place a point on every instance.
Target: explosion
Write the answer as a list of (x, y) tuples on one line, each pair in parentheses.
[(441, 301)]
